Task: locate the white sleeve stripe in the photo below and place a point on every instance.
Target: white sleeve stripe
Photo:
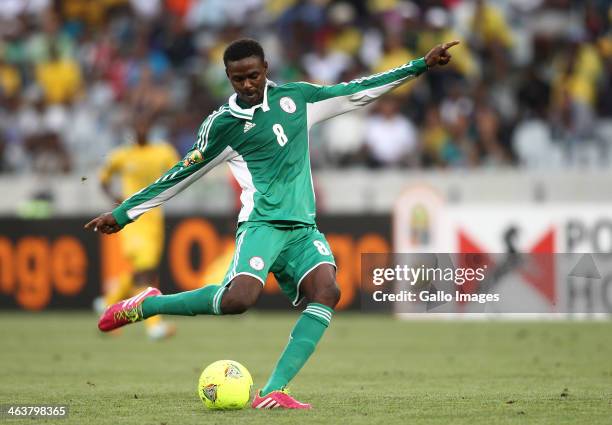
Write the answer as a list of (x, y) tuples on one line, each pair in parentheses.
[(206, 128), (209, 127), (328, 108), (201, 130), (162, 197), (380, 74), (199, 136), (368, 77)]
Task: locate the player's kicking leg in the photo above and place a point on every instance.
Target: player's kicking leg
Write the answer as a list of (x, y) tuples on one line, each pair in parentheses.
[(239, 290), (320, 289), (234, 298)]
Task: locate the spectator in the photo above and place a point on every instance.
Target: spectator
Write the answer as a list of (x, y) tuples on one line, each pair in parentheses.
[(324, 66), (343, 138), (345, 37), (390, 138), (4, 164), (51, 43), (395, 54), (13, 153), (604, 97), (42, 127), (492, 38), (438, 29), (533, 145), (145, 59), (492, 151), (533, 93), (147, 10), (434, 137), (577, 71), (10, 79), (177, 43), (572, 124), (456, 104), (459, 151), (148, 97), (59, 78)]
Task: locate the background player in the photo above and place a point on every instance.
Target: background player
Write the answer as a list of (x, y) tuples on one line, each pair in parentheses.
[(262, 132), (138, 164)]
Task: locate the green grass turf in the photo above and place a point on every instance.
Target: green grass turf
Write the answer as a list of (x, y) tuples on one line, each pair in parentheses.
[(368, 369)]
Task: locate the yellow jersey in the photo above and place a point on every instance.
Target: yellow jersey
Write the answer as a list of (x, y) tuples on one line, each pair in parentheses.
[(138, 166)]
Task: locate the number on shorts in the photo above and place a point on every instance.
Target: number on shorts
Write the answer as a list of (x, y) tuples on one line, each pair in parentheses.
[(321, 248), (281, 137)]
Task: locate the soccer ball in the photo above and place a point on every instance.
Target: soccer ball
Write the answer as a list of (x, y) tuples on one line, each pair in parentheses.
[(225, 385)]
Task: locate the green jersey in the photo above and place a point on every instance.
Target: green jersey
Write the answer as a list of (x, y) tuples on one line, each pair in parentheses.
[(266, 147)]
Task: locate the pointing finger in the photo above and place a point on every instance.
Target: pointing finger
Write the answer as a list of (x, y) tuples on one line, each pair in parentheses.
[(91, 224), (450, 44)]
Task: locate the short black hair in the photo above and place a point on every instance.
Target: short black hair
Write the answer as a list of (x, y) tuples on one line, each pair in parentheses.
[(243, 48)]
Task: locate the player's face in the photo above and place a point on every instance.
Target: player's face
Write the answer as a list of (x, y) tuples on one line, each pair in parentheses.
[(248, 77), (141, 130)]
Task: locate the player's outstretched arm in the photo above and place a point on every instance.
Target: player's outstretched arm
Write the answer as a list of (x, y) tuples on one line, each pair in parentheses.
[(209, 150), (325, 102), (169, 184), (197, 162)]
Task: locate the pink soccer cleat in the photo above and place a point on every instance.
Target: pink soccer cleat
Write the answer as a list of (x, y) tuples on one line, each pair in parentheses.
[(277, 399), (126, 311)]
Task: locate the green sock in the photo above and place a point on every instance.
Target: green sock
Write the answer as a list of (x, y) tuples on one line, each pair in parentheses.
[(302, 342), (206, 300)]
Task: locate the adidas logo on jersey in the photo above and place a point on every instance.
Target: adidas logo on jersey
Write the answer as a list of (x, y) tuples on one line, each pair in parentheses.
[(248, 125)]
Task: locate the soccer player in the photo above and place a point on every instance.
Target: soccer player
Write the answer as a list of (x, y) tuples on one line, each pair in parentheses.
[(138, 165), (262, 133)]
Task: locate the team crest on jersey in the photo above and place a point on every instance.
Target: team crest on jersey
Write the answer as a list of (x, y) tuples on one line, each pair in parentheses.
[(288, 105), (192, 157), (257, 263), (210, 392), (232, 372)]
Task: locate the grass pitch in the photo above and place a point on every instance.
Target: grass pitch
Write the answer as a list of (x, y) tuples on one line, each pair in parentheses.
[(368, 369)]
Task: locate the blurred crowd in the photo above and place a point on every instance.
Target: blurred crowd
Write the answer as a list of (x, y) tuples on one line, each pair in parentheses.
[(529, 86)]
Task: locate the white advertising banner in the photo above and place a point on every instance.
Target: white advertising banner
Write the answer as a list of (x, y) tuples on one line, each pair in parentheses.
[(546, 282), (422, 222)]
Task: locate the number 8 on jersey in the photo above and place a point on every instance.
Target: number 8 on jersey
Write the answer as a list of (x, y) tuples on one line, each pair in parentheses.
[(281, 137)]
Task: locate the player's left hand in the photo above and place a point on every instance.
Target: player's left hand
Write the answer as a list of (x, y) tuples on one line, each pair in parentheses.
[(439, 55), (104, 223)]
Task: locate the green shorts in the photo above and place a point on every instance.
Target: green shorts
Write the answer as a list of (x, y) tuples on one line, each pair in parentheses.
[(290, 253)]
